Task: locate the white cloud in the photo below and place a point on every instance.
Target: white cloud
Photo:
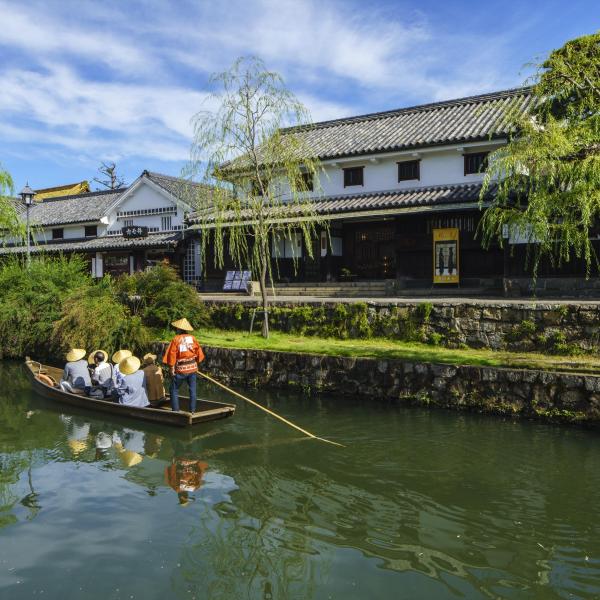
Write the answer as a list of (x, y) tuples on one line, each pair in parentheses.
[(123, 79)]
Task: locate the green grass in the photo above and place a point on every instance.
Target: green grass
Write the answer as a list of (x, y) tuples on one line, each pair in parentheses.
[(390, 349)]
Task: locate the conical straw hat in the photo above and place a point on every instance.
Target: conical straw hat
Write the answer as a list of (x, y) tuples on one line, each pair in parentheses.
[(183, 324), (131, 458), (119, 355), (75, 354), (92, 354), (77, 446), (129, 365), (149, 358)]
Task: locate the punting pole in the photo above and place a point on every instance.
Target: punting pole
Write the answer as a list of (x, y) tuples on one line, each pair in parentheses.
[(273, 414)]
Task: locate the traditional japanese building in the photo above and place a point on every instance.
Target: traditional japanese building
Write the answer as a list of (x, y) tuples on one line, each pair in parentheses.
[(117, 231), (401, 192)]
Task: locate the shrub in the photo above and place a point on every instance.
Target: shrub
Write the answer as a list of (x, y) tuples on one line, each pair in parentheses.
[(31, 301), (162, 297), (92, 317)]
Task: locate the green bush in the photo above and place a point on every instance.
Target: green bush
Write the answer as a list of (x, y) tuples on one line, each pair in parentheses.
[(159, 296), (31, 301), (92, 317)]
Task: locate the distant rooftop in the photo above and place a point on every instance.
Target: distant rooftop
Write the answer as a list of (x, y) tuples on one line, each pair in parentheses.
[(69, 189)]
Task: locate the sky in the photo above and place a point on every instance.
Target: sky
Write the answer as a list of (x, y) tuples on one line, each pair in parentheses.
[(83, 81)]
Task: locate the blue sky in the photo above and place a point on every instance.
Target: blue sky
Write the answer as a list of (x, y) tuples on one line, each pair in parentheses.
[(82, 82)]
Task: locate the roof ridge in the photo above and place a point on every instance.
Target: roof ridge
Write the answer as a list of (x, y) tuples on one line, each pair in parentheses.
[(85, 195), (522, 90)]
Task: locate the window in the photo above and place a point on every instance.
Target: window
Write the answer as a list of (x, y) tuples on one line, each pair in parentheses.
[(256, 189), (165, 223), (128, 223), (353, 176), (305, 184), (409, 169), (286, 247), (58, 234), (91, 230), (475, 163)]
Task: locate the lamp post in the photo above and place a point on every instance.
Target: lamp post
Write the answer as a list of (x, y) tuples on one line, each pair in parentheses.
[(27, 195)]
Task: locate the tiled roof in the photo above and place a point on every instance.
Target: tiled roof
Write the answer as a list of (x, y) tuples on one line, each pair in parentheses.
[(80, 208), (440, 195), (107, 242), (470, 119), (474, 118), (187, 191)]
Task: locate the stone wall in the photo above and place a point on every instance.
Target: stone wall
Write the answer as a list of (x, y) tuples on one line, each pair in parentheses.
[(525, 393), (554, 327)]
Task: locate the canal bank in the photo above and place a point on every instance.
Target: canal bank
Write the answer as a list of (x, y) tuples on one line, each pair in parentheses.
[(528, 393)]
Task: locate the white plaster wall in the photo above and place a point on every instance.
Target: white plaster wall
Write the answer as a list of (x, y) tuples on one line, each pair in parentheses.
[(145, 197), (438, 167), (69, 233)]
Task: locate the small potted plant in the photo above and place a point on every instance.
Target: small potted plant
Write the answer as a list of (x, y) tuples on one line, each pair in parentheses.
[(347, 275)]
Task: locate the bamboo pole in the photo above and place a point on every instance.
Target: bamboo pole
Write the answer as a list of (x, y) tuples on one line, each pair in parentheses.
[(273, 414)]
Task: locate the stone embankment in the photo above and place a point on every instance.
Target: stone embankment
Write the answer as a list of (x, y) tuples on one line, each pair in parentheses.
[(526, 393), (555, 327)]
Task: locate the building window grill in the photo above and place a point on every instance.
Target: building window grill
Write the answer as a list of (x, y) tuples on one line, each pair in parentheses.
[(475, 163), (58, 234), (165, 223), (144, 212), (353, 176), (91, 230), (408, 170)]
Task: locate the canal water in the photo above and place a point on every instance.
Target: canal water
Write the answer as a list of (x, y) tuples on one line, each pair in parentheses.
[(420, 504)]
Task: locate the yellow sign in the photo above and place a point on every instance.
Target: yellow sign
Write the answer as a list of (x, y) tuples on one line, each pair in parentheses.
[(445, 256)]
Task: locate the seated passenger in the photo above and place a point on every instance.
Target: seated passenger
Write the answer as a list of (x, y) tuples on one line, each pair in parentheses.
[(76, 376), (101, 374), (132, 386), (154, 379), (117, 378)]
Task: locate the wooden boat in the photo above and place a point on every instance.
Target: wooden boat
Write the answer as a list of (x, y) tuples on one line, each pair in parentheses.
[(206, 410)]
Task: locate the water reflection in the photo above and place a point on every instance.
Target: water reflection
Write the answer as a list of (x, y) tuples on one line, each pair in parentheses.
[(420, 504)]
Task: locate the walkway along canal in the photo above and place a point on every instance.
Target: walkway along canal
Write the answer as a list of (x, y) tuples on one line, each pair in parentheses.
[(420, 504)]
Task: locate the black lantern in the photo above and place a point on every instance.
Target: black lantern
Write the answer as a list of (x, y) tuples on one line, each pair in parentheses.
[(27, 195)]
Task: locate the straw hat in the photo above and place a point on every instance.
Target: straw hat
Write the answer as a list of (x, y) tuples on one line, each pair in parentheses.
[(130, 458), (182, 324), (75, 354), (92, 354), (149, 358), (77, 446), (129, 365), (119, 355)]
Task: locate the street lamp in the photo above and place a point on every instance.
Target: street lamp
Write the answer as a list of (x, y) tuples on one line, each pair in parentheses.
[(27, 195)]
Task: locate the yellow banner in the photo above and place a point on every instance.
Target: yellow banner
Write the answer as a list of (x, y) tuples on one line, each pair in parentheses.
[(445, 256)]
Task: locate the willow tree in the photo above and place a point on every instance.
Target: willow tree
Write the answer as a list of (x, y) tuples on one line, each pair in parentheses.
[(9, 219), (251, 148), (548, 175)]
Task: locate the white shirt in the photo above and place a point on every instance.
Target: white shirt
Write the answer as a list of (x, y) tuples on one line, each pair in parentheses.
[(103, 374)]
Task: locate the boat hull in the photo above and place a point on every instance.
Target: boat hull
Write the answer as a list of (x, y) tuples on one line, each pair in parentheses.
[(207, 410)]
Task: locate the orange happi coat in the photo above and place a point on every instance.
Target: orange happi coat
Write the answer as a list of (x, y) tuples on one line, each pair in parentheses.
[(183, 354)]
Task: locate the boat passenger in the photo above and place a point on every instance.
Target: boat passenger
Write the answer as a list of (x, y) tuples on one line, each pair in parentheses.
[(76, 376), (154, 379), (183, 355), (117, 357), (102, 372), (132, 384)]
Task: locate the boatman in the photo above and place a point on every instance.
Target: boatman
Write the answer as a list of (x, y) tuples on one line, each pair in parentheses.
[(183, 355)]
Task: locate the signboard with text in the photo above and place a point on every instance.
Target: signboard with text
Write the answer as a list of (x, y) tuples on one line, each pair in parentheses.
[(446, 265), (134, 231)]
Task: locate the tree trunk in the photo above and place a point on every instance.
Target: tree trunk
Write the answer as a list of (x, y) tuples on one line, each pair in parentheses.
[(265, 301)]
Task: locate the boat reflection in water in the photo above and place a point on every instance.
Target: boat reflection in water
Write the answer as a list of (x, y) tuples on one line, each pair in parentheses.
[(159, 461)]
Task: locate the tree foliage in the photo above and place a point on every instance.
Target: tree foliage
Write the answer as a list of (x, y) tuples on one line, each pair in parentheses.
[(261, 171), (548, 175), (9, 220)]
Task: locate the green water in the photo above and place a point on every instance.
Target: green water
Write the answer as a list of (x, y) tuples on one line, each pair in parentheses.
[(421, 504)]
